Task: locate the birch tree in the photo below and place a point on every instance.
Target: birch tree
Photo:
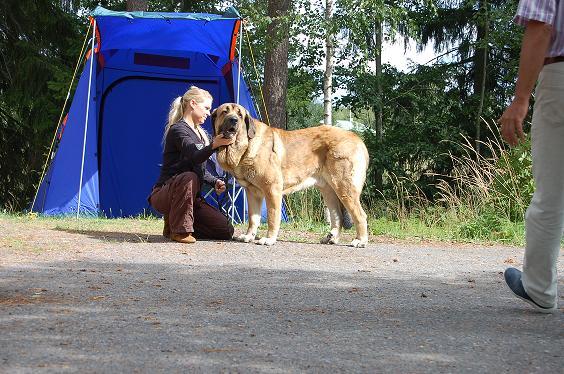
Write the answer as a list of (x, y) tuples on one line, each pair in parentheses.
[(328, 76)]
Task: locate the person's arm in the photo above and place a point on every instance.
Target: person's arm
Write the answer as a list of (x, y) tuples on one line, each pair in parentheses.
[(185, 142), (209, 178), (536, 41)]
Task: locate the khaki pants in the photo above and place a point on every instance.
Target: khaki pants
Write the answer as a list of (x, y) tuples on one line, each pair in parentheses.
[(185, 211), (545, 215)]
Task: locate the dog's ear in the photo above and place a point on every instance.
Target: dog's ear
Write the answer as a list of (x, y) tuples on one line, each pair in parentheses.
[(213, 116), (250, 122)]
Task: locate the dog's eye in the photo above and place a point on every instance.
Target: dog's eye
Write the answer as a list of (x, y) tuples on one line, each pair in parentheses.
[(240, 114)]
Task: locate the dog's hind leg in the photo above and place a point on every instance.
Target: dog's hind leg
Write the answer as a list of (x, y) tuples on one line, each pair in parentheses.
[(254, 202), (335, 214), (346, 175), (351, 201)]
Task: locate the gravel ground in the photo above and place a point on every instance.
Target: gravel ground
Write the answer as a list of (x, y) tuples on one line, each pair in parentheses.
[(96, 301)]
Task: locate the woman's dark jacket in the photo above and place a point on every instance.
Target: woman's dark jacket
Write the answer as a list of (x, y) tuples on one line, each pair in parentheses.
[(185, 151)]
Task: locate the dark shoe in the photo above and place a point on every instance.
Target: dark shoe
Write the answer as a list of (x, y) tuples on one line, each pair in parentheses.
[(513, 279), (183, 238)]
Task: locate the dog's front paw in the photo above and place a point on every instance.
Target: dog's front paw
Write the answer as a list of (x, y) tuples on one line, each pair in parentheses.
[(357, 243), (246, 238), (266, 241), (329, 239)]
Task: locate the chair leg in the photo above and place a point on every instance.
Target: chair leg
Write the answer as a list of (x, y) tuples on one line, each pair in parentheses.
[(166, 228)]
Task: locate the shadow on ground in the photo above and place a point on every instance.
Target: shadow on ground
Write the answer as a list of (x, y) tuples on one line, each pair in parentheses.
[(123, 317), (131, 237), (117, 236)]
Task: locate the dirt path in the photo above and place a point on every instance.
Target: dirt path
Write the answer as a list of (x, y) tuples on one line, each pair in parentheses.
[(102, 301)]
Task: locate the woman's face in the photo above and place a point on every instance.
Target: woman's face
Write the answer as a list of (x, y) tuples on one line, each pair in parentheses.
[(201, 111)]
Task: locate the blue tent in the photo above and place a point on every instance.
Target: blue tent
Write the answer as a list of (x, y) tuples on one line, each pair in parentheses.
[(110, 150)]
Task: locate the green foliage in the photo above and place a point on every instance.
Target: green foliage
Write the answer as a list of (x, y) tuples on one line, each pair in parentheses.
[(305, 206), (430, 109), (513, 184), (488, 191), (489, 226), (417, 137), (301, 107), (482, 198), (36, 41)]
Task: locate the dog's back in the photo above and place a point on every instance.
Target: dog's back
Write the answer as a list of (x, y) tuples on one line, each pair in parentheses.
[(324, 152)]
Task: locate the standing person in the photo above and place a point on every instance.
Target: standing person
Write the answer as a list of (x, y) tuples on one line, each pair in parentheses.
[(176, 194), (542, 51)]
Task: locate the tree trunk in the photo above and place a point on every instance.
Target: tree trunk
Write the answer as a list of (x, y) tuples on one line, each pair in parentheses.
[(328, 77), (276, 63), (135, 5)]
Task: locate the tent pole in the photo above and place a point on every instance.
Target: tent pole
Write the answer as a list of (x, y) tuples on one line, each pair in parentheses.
[(240, 56), (51, 153), (92, 57), (238, 90)]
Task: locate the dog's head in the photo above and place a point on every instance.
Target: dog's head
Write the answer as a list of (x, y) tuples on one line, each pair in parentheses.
[(233, 120)]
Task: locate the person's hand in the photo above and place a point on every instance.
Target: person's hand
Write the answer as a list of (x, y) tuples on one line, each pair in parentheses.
[(512, 121), (219, 141), (220, 186)]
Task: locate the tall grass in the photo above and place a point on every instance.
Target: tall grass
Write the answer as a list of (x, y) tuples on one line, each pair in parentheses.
[(305, 206), (500, 183), (488, 195)]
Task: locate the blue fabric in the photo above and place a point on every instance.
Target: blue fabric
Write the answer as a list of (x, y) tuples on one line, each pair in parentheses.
[(144, 61), (59, 192), (131, 140), (167, 31)]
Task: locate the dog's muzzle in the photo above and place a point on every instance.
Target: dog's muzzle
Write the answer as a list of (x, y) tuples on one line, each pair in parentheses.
[(229, 127)]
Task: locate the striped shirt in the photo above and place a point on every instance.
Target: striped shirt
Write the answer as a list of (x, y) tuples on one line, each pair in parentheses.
[(547, 11)]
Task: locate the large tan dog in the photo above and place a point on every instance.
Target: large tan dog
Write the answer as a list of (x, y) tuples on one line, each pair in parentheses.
[(271, 162)]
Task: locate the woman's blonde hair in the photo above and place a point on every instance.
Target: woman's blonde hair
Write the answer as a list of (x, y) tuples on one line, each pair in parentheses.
[(180, 104)]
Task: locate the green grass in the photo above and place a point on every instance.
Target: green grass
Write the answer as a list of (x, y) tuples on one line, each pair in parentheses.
[(84, 223), (435, 225), (508, 233)]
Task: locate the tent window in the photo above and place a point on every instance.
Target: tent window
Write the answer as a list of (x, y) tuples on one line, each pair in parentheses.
[(162, 61)]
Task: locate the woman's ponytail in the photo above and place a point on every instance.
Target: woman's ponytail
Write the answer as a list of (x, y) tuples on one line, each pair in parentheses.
[(174, 115)]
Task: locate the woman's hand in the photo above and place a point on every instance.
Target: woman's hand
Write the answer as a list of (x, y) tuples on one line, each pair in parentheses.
[(220, 186), (219, 141)]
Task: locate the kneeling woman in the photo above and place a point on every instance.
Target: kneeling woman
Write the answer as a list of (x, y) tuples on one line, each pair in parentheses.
[(176, 194)]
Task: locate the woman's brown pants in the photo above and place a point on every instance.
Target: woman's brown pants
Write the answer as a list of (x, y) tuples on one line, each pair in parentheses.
[(185, 211)]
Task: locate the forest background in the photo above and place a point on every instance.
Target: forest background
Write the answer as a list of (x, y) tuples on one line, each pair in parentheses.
[(436, 156)]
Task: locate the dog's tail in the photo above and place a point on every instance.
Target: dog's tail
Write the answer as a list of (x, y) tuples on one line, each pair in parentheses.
[(347, 221)]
